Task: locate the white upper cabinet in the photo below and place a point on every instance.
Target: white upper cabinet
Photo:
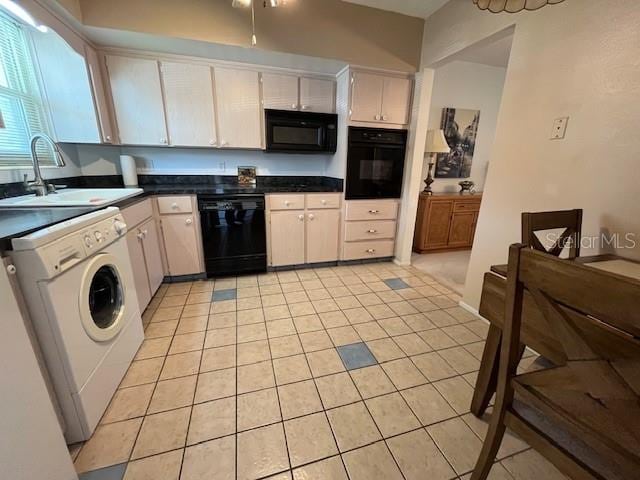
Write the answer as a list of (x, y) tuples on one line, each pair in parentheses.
[(317, 95), (99, 94), (396, 95), (378, 98), (239, 113), (366, 97), (137, 100), (188, 91), (67, 88), (280, 92)]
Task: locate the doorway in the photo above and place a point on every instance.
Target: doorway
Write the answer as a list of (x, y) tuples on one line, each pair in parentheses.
[(467, 88)]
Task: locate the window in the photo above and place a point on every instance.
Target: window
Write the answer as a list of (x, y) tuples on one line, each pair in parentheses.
[(21, 107)]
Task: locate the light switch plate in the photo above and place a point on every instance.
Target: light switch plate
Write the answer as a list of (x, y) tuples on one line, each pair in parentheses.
[(559, 128)]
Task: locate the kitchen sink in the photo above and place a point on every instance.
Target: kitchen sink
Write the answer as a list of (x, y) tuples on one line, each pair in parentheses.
[(72, 197)]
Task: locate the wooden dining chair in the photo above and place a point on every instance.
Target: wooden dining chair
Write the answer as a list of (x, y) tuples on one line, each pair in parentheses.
[(583, 414), (569, 220)]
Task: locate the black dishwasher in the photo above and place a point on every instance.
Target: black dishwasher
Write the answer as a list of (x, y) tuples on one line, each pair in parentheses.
[(233, 234)]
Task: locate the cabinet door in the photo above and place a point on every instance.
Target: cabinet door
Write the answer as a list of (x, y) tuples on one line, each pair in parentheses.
[(137, 100), (462, 229), (99, 95), (366, 97), (152, 255), (317, 95), (438, 222), (238, 102), (323, 228), (287, 237), (188, 97), (396, 97), (279, 91), (138, 266), (67, 88), (181, 244)]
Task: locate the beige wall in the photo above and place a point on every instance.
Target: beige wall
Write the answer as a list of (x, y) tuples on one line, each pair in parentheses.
[(475, 87), (576, 59), (321, 28)]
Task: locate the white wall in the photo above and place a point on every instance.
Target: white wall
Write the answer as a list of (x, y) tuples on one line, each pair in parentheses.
[(468, 86), (31, 444), (104, 160), (576, 59)]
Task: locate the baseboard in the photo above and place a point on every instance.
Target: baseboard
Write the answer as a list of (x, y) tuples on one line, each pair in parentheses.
[(470, 309), (402, 264)]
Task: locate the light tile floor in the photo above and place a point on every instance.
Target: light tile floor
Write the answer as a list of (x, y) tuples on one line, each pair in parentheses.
[(352, 372)]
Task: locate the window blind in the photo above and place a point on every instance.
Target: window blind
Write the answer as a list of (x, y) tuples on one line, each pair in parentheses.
[(21, 104)]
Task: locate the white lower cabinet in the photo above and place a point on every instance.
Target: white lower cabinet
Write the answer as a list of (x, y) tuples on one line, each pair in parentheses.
[(303, 235), (144, 251), (181, 236), (323, 234), (369, 229), (287, 237)]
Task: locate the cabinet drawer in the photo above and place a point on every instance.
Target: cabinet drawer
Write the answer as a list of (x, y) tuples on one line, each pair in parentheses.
[(354, 231), (468, 206), (323, 200), (286, 202), (175, 204), (374, 210), (371, 249), (137, 213)]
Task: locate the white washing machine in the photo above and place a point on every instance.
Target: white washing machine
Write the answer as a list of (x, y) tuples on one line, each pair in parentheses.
[(78, 284)]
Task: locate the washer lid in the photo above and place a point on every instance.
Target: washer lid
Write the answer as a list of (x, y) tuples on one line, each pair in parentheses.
[(102, 298)]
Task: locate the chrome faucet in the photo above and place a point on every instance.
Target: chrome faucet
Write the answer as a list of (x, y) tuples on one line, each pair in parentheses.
[(38, 185)]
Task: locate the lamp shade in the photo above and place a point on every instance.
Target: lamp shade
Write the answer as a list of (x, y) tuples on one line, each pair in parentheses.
[(436, 143)]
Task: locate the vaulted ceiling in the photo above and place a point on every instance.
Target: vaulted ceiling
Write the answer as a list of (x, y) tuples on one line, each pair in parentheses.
[(414, 8)]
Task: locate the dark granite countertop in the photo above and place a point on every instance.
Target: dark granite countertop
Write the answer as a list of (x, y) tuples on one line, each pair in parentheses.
[(16, 222)]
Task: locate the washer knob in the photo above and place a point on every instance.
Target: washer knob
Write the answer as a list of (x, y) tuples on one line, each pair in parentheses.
[(98, 236), (119, 226), (87, 241)]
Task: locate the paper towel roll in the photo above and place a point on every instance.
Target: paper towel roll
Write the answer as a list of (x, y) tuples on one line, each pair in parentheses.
[(129, 173)]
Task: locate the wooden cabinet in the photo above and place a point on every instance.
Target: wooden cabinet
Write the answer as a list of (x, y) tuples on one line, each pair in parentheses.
[(446, 222), (188, 97), (288, 92), (317, 95), (239, 113), (369, 229), (303, 228), (137, 100), (287, 237), (181, 238), (143, 243), (379, 98)]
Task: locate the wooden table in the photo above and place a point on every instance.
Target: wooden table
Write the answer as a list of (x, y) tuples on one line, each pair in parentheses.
[(492, 306)]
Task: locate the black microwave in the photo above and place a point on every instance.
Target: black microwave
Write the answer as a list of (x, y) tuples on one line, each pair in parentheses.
[(300, 132)]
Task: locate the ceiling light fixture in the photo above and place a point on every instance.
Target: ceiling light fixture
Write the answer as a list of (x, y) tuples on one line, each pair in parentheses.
[(21, 14), (513, 6), (250, 4)]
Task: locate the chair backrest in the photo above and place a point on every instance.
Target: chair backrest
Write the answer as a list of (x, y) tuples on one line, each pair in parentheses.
[(569, 220), (594, 316)]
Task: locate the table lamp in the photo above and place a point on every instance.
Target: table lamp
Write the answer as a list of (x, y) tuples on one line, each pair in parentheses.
[(436, 143)]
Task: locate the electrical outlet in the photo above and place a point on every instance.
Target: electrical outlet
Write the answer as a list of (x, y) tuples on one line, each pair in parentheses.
[(559, 128), (222, 166)]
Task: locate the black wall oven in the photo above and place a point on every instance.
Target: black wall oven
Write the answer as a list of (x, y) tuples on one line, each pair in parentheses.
[(300, 132), (375, 163)]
